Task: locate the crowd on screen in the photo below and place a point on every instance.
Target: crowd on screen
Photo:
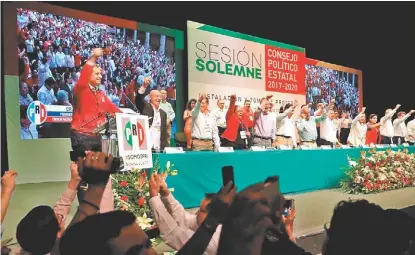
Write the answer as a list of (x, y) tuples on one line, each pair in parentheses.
[(52, 50), (324, 84)]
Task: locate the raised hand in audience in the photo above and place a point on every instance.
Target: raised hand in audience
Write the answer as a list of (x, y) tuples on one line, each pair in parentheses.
[(295, 104), (289, 223), (412, 112), (203, 96), (397, 107), (154, 185), (8, 183)]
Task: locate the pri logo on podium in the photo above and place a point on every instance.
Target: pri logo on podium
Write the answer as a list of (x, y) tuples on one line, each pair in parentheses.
[(134, 134), (36, 112)]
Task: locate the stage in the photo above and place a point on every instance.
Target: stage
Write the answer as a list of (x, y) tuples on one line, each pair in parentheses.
[(299, 170)]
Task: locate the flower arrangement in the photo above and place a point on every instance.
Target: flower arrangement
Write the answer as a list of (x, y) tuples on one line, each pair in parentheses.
[(378, 171), (131, 192)]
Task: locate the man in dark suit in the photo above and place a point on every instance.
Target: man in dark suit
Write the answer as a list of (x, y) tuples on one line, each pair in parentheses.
[(157, 117)]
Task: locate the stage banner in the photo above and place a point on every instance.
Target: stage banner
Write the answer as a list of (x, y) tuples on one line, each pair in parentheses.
[(222, 63), (134, 141)]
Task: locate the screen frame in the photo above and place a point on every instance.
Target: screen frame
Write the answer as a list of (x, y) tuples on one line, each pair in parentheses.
[(359, 73), (23, 155)]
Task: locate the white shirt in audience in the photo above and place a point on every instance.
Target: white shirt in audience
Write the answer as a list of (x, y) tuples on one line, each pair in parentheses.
[(328, 131), (204, 126), (410, 135), (399, 126), (283, 125), (179, 226), (220, 116), (386, 128), (358, 131)]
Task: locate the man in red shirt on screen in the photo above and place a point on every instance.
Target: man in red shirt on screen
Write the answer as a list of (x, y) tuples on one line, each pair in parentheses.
[(89, 111), (90, 106)]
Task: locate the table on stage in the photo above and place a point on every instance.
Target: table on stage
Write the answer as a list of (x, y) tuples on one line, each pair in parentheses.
[(299, 170)]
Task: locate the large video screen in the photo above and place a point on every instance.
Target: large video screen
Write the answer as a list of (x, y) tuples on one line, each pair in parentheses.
[(325, 82), (51, 51)]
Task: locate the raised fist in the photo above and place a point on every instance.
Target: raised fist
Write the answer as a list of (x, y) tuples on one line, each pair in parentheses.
[(203, 96), (146, 82), (233, 97), (363, 109), (295, 103), (397, 106)]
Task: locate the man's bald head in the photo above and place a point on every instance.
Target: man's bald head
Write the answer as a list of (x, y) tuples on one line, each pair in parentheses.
[(155, 98)]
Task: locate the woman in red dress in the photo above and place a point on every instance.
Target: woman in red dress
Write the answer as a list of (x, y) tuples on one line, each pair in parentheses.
[(372, 134)]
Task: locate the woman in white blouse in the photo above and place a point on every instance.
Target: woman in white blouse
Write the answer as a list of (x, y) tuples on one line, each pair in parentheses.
[(357, 136)]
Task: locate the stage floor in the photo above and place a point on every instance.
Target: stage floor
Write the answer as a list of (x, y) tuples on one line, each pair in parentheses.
[(313, 208)]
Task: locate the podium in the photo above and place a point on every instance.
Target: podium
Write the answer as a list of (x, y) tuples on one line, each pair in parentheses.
[(127, 137), (109, 139)]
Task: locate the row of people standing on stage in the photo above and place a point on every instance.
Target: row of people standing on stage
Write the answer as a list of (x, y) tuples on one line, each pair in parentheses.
[(358, 131), (240, 127)]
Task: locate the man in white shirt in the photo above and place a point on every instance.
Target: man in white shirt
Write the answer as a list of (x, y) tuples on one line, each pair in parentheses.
[(399, 127), (265, 125), (205, 133), (157, 117), (286, 132), (357, 135), (386, 128), (328, 129), (30, 48), (175, 224), (220, 116), (307, 125), (166, 106), (61, 60), (410, 135), (46, 95)]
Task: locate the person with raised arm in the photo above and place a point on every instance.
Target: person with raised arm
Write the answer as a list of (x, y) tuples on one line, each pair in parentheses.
[(328, 130), (399, 127), (307, 125), (386, 128), (372, 133), (157, 117), (90, 108), (410, 135), (286, 132), (265, 124), (357, 135), (205, 132), (236, 133)]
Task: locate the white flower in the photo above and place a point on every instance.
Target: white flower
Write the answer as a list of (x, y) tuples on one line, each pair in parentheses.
[(168, 165), (171, 189), (173, 173), (381, 177), (144, 222), (352, 163)]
